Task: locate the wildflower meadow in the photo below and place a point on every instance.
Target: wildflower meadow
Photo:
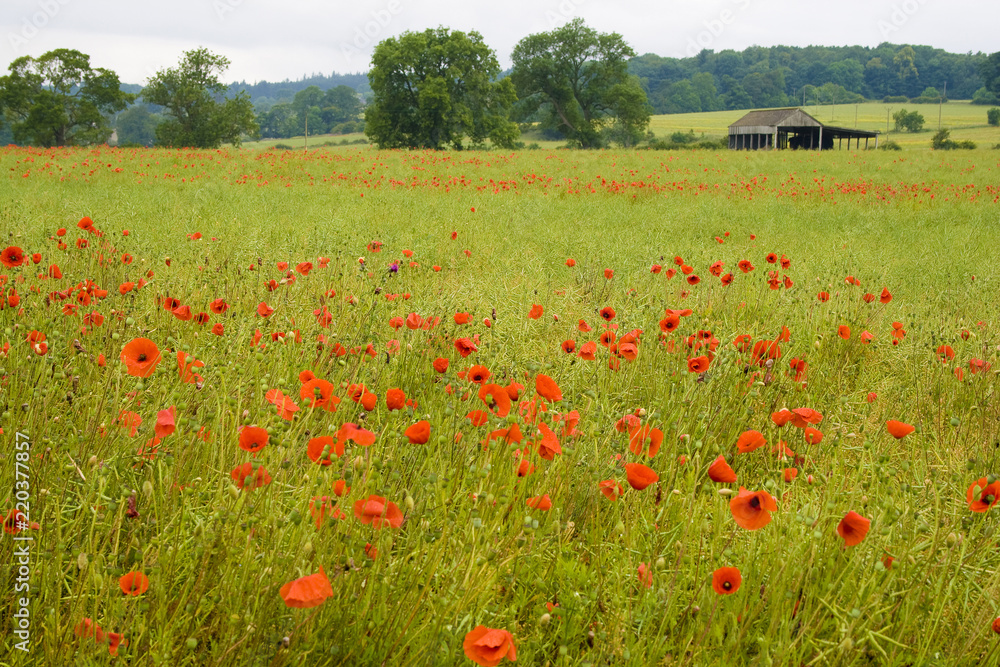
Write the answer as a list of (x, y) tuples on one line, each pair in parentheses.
[(352, 407)]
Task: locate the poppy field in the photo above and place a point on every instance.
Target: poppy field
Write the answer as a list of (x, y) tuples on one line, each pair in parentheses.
[(554, 407)]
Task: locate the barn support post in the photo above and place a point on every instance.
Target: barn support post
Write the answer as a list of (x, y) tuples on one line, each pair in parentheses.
[(820, 138), (776, 147)]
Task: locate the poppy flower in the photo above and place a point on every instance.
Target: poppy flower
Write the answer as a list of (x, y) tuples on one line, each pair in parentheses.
[(395, 399), (611, 489), (823, 297), (488, 647), (726, 580), (219, 306), (141, 357), (496, 399), (478, 374), (752, 511), (258, 478), (721, 472), (541, 503), (514, 389), (12, 257), (461, 318), (419, 433), (321, 449), (548, 446), (844, 331), (609, 274), (318, 393), (218, 329), (639, 437), (571, 262), (655, 268), (478, 417), (582, 326), (568, 346), (853, 528), (645, 576), (813, 436), (264, 310), (608, 313), (640, 476), (885, 297), (982, 495), (536, 312), (698, 364), (801, 417), (587, 351), (745, 266), (306, 592), (465, 347), (165, 424), (253, 438), (749, 441), (996, 625), (378, 512), (898, 429), (764, 350), (790, 474), (133, 583), (548, 389)]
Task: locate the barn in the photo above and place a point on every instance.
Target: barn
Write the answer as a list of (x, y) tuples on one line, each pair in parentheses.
[(771, 129)]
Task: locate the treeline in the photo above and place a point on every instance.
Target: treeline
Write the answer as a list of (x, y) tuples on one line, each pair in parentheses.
[(761, 77)]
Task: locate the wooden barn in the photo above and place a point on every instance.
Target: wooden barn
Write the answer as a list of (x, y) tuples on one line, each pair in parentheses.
[(791, 128)]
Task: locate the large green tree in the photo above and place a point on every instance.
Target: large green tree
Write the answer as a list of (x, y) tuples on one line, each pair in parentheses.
[(198, 113), (575, 80), (57, 99), (436, 88), (989, 70)]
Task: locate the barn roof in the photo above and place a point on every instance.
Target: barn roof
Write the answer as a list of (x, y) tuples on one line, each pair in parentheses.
[(791, 117)]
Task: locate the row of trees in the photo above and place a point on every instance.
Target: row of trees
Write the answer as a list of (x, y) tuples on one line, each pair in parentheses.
[(335, 111), (58, 99), (440, 88), (782, 75)]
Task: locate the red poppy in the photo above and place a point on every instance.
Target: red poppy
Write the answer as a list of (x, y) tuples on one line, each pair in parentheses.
[(536, 312), (853, 528), (440, 365), (983, 495), (823, 297), (643, 435), (496, 399), (306, 592), (645, 576), (133, 583), (12, 257), (844, 331), (726, 580), (899, 429), (801, 417), (568, 346), (721, 472), (488, 647), (419, 433), (749, 441), (395, 399), (264, 310), (465, 347), (477, 374), (611, 489), (608, 313), (253, 438), (165, 424), (698, 364), (790, 474), (587, 351), (548, 389), (541, 503), (764, 350), (609, 274), (813, 436), (461, 318), (752, 511), (885, 297), (478, 417), (141, 357), (640, 476), (570, 262), (257, 478), (378, 512)]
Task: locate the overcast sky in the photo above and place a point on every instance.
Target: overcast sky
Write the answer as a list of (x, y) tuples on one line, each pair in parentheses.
[(267, 40)]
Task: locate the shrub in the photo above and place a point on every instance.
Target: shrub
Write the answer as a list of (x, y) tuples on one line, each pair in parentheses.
[(993, 116), (890, 146), (911, 121), (943, 143), (282, 147), (895, 99)]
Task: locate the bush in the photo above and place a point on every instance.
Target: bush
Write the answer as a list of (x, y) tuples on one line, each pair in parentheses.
[(282, 147), (984, 96), (993, 116), (704, 144), (890, 146), (911, 121), (941, 142), (895, 99), (683, 137)]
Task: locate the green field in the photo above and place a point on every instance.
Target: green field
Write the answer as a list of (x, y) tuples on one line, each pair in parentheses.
[(881, 304)]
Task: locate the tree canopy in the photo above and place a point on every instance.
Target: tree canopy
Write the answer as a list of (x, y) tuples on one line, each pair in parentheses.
[(436, 88), (575, 80), (57, 99), (198, 114)]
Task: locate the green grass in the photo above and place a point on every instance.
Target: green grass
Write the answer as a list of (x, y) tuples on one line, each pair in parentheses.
[(470, 551)]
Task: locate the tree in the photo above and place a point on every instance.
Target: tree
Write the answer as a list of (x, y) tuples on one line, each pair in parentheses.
[(57, 99), (993, 117), (137, 126), (576, 80), (911, 121), (989, 70), (199, 116), (341, 105), (436, 88)]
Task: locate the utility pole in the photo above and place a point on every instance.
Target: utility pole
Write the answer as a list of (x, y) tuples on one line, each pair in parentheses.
[(887, 110), (941, 103)]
